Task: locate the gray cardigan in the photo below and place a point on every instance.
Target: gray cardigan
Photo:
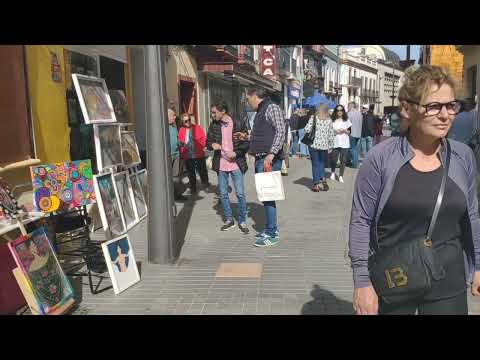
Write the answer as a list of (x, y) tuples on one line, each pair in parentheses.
[(374, 184)]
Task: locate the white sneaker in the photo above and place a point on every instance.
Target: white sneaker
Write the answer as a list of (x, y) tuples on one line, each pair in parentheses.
[(340, 179), (332, 177)]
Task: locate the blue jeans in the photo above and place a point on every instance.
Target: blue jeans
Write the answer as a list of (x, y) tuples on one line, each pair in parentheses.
[(318, 158), (303, 147), (270, 206), (237, 178), (294, 144), (354, 148), (366, 145)]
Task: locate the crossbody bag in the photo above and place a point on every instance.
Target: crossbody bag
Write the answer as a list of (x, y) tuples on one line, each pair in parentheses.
[(405, 272)]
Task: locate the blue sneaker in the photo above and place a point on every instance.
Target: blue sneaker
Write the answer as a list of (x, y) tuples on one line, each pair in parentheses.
[(263, 233), (266, 240)]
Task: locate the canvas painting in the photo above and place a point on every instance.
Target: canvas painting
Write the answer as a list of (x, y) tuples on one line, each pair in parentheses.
[(62, 186), (121, 263), (142, 178), (8, 203), (35, 257), (120, 107), (138, 196), (122, 184), (94, 99), (108, 145), (109, 205), (130, 153)]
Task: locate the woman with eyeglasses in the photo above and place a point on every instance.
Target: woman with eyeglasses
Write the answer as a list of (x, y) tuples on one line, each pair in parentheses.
[(414, 228), (341, 127), (192, 141)]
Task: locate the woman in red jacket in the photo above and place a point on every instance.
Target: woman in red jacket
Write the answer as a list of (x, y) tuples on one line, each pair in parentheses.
[(192, 140)]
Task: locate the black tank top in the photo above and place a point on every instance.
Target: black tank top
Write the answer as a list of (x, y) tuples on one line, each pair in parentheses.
[(408, 212)]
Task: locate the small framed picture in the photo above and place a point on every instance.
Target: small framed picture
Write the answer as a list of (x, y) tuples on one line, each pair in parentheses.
[(130, 153), (109, 204), (127, 201), (108, 145), (142, 178), (140, 203), (121, 263), (94, 99)]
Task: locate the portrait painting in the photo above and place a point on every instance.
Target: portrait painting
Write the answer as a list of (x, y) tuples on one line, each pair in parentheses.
[(109, 204), (121, 263), (94, 99), (108, 145), (35, 257), (62, 186), (130, 153), (125, 195)]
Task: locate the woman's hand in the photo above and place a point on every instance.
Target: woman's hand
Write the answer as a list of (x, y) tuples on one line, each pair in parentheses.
[(365, 301), (476, 284)]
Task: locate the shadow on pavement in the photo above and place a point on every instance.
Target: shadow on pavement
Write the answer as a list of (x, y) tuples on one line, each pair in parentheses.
[(255, 212), (307, 182), (326, 303)]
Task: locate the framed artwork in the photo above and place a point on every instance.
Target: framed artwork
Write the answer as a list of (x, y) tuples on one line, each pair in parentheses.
[(130, 153), (109, 205), (108, 145), (94, 99), (121, 263), (9, 207), (120, 106), (125, 196), (36, 259), (142, 178), (62, 186), (140, 203)]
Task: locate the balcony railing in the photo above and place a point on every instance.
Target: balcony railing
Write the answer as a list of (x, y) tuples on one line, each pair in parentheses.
[(356, 82)]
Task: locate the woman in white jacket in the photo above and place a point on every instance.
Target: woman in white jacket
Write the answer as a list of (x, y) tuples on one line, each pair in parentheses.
[(322, 145)]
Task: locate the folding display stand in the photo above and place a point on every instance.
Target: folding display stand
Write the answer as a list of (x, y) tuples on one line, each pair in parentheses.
[(74, 245)]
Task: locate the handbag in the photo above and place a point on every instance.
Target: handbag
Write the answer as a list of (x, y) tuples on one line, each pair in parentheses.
[(406, 271), (309, 137), (269, 186)]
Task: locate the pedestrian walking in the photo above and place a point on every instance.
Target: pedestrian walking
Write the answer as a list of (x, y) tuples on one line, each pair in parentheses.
[(462, 127), (302, 122), (341, 127), (229, 161), (414, 216), (323, 143), (293, 122), (266, 145), (286, 149), (192, 140), (177, 163), (356, 118), (368, 130)]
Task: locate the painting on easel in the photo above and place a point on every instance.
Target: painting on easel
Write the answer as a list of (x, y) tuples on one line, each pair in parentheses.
[(9, 207), (36, 259)]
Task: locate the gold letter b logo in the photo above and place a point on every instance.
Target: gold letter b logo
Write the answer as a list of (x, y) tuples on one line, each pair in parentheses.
[(396, 277)]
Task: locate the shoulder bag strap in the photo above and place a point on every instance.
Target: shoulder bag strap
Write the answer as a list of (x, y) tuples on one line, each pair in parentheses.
[(441, 192)]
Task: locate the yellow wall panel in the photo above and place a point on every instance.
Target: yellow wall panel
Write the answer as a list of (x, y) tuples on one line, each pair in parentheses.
[(48, 104)]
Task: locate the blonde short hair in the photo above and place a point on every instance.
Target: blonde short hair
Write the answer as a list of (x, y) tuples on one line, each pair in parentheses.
[(322, 109), (418, 80)]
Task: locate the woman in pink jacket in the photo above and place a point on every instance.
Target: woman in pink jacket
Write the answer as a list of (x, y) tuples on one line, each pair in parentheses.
[(192, 140)]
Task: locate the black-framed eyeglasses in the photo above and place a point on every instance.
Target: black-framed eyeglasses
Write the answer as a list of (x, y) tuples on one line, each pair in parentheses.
[(434, 108)]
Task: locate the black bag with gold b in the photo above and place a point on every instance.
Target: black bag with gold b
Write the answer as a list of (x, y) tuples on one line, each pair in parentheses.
[(406, 271)]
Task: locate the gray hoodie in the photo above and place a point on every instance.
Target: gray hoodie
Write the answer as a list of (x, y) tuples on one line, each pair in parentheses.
[(374, 184)]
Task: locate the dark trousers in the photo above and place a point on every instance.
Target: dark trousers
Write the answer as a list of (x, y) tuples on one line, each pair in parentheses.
[(199, 165), (452, 306), (343, 159)]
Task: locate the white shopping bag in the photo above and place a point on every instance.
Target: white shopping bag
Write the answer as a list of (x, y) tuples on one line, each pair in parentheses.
[(269, 186)]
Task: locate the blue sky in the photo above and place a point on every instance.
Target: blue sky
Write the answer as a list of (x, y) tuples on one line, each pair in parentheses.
[(401, 50)]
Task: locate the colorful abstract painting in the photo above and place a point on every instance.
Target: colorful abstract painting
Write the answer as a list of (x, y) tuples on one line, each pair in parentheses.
[(9, 207), (94, 99), (121, 263), (109, 205), (34, 255), (62, 186)]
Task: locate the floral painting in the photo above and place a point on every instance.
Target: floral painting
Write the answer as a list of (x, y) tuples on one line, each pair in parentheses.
[(121, 263), (35, 257), (63, 186)]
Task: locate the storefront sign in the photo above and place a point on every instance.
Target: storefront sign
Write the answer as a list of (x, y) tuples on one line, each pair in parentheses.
[(293, 93), (268, 61), (56, 68)]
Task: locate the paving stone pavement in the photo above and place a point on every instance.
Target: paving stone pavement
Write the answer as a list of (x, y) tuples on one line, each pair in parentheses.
[(306, 273)]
